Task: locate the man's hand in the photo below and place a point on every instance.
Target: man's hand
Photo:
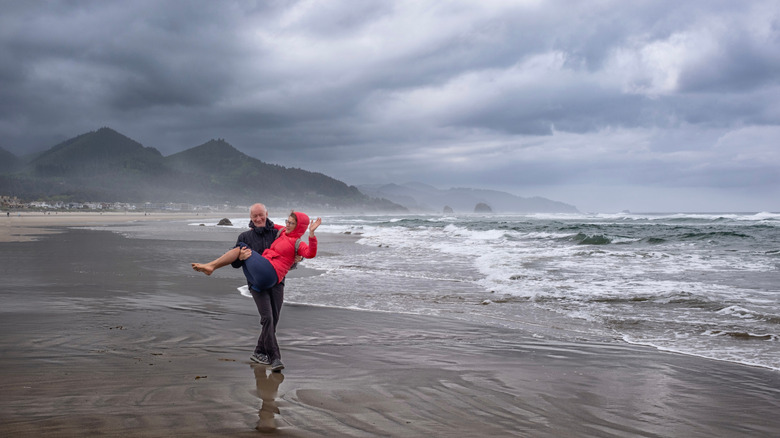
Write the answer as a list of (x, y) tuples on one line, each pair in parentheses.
[(245, 253)]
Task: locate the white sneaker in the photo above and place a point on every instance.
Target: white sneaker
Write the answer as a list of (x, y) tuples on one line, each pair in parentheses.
[(245, 291)]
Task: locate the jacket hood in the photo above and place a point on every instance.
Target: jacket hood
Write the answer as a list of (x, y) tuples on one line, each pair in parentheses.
[(303, 225)]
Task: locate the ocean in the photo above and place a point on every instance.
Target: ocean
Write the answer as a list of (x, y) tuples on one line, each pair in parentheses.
[(706, 285)]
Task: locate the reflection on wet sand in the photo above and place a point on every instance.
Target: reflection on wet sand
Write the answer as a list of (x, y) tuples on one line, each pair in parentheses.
[(112, 344), (267, 390)]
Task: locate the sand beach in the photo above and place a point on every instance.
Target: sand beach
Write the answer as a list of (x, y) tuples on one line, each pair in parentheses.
[(102, 335), (25, 226)]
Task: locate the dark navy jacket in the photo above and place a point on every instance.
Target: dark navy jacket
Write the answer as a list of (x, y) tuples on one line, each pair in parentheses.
[(259, 239)]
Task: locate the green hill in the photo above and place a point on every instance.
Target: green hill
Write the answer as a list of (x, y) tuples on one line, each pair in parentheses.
[(233, 173), (105, 165), (104, 151)]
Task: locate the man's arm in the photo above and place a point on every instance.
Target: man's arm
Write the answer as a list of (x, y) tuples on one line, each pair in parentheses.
[(238, 262)]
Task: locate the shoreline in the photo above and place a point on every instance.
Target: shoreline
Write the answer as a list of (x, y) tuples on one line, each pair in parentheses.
[(124, 339), (26, 226), (31, 226)]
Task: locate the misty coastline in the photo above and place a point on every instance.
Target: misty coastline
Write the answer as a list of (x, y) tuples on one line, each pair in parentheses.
[(105, 170)]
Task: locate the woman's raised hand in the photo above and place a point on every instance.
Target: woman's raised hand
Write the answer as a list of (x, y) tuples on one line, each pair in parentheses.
[(313, 226)]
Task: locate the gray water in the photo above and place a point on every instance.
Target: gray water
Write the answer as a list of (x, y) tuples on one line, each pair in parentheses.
[(703, 285)]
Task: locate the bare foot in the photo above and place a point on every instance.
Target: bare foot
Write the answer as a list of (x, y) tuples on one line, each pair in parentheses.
[(206, 269)]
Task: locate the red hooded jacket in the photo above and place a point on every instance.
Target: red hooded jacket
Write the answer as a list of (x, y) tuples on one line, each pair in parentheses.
[(281, 254)]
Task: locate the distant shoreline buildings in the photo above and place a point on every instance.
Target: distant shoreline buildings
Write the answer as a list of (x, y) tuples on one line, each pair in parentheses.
[(12, 203)]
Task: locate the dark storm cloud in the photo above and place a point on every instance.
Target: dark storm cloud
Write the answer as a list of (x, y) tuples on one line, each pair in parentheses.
[(516, 95)]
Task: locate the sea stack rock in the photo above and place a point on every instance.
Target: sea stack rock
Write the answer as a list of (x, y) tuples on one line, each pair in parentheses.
[(225, 221), (483, 208), (448, 209)]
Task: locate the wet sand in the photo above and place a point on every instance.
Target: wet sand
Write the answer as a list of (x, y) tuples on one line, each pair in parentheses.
[(107, 336), (27, 226)]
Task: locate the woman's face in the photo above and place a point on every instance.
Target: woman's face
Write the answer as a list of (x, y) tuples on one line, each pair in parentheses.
[(291, 223)]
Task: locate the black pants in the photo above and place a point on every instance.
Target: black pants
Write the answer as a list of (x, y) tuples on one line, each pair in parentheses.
[(269, 305)]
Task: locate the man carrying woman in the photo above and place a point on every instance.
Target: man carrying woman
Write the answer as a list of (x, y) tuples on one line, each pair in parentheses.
[(266, 252)]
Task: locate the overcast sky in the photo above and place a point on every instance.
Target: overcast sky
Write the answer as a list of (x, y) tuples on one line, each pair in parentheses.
[(606, 105)]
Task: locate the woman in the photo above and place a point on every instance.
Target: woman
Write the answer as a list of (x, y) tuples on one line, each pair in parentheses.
[(264, 271)]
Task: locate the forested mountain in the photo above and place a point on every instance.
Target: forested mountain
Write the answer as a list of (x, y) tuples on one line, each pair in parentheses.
[(98, 153), (105, 165), (233, 173)]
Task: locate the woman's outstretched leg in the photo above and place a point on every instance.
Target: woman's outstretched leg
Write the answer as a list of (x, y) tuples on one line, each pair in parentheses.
[(226, 259)]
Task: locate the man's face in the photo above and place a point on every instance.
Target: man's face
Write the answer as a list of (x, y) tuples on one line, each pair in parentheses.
[(258, 215)]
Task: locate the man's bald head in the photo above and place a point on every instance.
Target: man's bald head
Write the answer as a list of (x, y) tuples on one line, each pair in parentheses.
[(258, 214)]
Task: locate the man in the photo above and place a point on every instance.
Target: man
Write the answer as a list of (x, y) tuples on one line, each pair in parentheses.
[(269, 302)]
